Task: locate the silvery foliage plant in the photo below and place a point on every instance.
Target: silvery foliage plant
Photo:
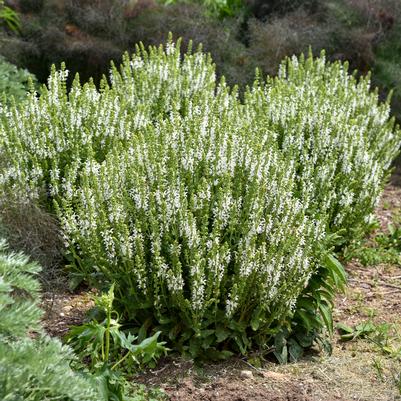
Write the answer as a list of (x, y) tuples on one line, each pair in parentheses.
[(205, 210)]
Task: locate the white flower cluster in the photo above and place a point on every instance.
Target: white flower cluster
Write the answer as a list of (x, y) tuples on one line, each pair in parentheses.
[(336, 132), (188, 197)]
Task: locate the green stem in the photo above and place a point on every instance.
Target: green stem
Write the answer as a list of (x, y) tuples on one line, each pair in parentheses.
[(107, 334), (120, 361)]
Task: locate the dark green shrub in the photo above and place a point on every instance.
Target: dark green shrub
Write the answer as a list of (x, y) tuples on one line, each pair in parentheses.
[(29, 6), (387, 71)]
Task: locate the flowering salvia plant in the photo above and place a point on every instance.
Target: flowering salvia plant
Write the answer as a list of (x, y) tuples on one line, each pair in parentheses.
[(210, 214), (340, 137), (197, 223), (62, 127)]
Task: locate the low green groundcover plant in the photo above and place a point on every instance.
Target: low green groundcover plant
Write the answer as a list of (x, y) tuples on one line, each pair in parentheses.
[(214, 216), (8, 17), (33, 366)]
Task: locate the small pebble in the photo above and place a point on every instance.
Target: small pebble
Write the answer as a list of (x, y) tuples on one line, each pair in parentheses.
[(246, 374)]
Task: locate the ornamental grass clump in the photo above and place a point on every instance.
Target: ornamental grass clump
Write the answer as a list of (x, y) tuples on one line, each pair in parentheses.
[(338, 134)]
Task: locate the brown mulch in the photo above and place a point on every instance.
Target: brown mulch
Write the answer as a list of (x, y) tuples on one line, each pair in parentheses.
[(232, 380)]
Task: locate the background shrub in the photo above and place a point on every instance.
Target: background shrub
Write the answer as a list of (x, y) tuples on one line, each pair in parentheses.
[(35, 231), (272, 40), (88, 34), (262, 9)]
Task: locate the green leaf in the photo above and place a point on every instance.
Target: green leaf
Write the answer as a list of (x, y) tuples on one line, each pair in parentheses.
[(309, 320), (343, 328), (295, 350), (307, 303), (206, 333), (75, 281), (336, 269), (216, 355), (221, 333), (280, 345), (255, 320), (327, 317)]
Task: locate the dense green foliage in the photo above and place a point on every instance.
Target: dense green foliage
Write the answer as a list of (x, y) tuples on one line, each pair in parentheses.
[(210, 214), (14, 82), (33, 367)]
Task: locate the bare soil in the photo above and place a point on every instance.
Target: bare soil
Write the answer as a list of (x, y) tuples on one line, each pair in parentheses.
[(64, 309), (356, 370)]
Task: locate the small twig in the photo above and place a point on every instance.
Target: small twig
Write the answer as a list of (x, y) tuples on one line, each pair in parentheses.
[(354, 280), (373, 284), (390, 292), (156, 372), (325, 375), (393, 277), (390, 285)]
